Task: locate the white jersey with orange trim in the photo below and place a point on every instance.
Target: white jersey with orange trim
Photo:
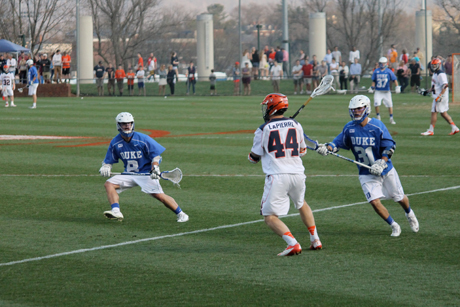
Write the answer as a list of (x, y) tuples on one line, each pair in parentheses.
[(278, 142), (439, 79), (7, 81)]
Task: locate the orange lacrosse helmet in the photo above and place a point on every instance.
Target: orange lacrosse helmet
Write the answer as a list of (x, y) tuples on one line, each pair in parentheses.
[(436, 64), (5, 68), (273, 103)]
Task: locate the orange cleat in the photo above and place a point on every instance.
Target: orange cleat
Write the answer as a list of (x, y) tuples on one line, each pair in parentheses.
[(291, 250), (454, 132), (427, 133)]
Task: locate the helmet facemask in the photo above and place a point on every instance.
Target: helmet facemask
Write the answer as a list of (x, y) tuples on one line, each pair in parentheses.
[(359, 102), (124, 118)]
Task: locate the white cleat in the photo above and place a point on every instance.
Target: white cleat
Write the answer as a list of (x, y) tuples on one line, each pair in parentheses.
[(392, 121), (413, 222), (396, 230), (32, 107), (427, 133), (182, 217), (114, 215), (13, 105), (6, 105), (378, 117)]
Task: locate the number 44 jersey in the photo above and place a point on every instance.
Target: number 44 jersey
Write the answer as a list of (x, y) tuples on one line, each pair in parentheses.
[(278, 142), (367, 143)]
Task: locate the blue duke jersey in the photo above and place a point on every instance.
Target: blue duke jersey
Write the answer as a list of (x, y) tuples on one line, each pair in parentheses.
[(33, 74), (367, 143), (278, 142), (382, 79), (137, 155)]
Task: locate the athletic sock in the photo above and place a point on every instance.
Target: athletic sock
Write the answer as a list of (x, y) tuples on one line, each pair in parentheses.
[(408, 209), (35, 104), (431, 128), (389, 220), (391, 115), (313, 233), (289, 238), (115, 207), (454, 127), (178, 210)]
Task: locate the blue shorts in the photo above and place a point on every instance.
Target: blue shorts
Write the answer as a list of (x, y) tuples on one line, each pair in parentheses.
[(140, 84)]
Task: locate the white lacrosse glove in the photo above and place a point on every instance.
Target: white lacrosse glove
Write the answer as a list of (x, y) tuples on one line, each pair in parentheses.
[(105, 170), (302, 152), (155, 172), (398, 89), (438, 99), (322, 149), (370, 90), (378, 167)]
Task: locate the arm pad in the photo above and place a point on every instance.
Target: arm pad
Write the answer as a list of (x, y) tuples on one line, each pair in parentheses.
[(388, 152), (302, 152), (252, 158)]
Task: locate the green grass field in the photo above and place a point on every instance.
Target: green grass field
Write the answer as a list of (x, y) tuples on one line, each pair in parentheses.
[(57, 248)]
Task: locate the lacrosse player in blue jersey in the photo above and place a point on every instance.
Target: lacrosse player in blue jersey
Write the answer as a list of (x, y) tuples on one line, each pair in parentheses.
[(372, 144), (140, 154), (381, 79)]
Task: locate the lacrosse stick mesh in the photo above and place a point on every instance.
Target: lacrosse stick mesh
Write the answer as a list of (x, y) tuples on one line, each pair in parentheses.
[(324, 87), (175, 176)]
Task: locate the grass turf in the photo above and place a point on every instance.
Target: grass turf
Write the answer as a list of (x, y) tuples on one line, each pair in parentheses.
[(52, 202)]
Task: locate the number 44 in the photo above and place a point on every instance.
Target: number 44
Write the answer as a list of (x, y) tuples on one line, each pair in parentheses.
[(275, 144)]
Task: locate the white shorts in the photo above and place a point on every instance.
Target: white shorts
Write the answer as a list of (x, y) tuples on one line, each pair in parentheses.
[(278, 190), (148, 185), (382, 187), (7, 92), (442, 106), (33, 89), (385, 96)]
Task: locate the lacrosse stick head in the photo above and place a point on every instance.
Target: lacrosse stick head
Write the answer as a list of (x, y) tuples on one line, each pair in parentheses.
[(423, 92), (311, 144), (20, 89), (359, 108), (175, 176), (324, 87)]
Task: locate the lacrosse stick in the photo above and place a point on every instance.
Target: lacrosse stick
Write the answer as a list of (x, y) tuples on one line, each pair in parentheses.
[(21, 89), (175, 176), (423, 92), (313, 145), (324, 87)]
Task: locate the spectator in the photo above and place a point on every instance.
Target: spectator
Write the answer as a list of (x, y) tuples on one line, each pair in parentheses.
[(130, 76), (279, 56), (191, 78), (337, 55), (313, 59), (271, 59), (328, 59), (448, 69), (419, 55), (171, 78), (23, 70), (246, 74), (315, 77), (355, 76), (110, 73), (99, 72), (246, 58), (392, 57), (163, 73), (66, 60), (12, 64), (302, 57), (120, 76), (267, 52), (353, 54), (236, 79), (51, 68), (140, 62), (263, 67), (57, 64), (140, 74), (307, 73), (414, 68), (255, 63), (285, 62), (343, 76), (297, 77), (175, 65), (334, 69), (404, 56), (402, 74), (45, 68), (212, 83), (322, 70), (152, 66), (276, 73), (3, 62)]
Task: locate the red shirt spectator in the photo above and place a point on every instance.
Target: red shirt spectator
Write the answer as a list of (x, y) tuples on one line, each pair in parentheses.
[(307, 69)]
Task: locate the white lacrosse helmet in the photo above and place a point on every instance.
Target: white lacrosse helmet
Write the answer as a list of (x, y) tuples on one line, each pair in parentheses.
[(30, 62), (359, 101), (125, 117), (383, 62)]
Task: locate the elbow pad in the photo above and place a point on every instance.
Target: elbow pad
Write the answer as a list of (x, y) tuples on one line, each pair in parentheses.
[(388, 152)]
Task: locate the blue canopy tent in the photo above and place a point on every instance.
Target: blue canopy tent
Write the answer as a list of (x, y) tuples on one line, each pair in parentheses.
[(7, 46)]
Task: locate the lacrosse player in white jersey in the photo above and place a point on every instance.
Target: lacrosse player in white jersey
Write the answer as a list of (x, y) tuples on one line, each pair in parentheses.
[(140, 154), (440, 92), (372, 144), (8, 86), (279, 144), (381, 79)]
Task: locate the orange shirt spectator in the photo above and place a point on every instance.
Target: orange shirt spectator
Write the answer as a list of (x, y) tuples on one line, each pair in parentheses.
[(66, 61), (140, 61), (393, 57), (120, 74), (130, 77)]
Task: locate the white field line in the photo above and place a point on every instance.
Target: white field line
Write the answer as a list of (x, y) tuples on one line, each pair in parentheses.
[(212, 175), (79, 251)]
